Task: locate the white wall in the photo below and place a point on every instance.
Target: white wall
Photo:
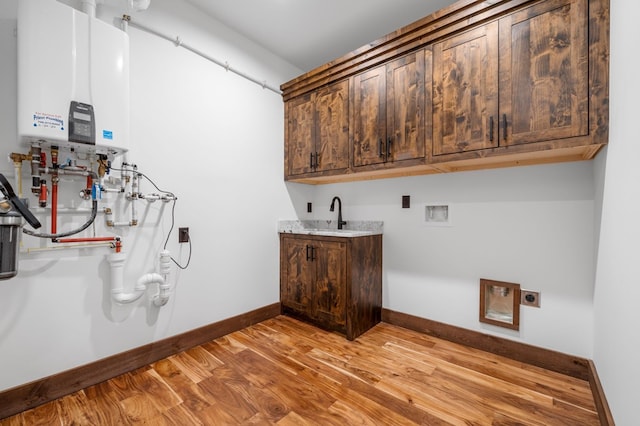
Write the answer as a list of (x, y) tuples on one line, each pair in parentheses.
[(216, 141), (209, 136), (527, 225), (617, 315)]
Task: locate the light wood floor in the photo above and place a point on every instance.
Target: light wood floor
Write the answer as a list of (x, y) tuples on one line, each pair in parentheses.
[(285, 372)]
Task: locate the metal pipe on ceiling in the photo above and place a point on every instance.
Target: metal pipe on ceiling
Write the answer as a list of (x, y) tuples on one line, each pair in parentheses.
[(127, 20)]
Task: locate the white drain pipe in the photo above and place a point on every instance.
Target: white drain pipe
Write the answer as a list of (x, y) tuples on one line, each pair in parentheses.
[(118, 293)]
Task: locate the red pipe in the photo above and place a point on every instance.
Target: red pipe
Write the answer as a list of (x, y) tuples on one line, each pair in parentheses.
[(54, 204), (87, 240), (42, 201)]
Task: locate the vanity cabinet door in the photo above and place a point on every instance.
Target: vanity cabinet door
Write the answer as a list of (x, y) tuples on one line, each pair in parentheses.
[(329, 290), (297, 275)]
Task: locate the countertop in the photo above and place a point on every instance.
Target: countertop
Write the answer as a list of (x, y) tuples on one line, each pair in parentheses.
[(353, 228)]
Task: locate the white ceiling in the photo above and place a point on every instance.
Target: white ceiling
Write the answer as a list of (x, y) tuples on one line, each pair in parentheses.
[(309, 33)]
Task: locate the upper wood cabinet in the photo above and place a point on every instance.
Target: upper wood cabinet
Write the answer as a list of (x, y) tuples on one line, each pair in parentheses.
[(544, 72), (521, 79), (318, 131), (389, 111), (475, 85)]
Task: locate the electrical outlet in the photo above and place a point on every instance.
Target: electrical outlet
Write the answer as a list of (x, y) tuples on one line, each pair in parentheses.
[(183, 235), (530, 298)]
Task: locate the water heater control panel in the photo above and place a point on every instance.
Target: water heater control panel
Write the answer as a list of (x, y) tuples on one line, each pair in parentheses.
[(82, 123)]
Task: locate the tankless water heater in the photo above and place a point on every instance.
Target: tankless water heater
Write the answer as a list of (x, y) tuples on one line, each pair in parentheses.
[(73, 79)]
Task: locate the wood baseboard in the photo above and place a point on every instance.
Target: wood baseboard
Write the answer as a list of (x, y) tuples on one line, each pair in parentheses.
[(570, 365), (604, 412), (24, 397)]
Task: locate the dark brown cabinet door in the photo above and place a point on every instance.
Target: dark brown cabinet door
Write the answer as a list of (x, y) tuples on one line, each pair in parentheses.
[(332, 127), (329, 299), (369, 117), (318, 130), (300, 135), (299, 275), (544, 72), (465, 92), (389, 110), (405, 107)]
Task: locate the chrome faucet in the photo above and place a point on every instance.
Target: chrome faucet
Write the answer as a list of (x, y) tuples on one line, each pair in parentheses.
[(340, 221)]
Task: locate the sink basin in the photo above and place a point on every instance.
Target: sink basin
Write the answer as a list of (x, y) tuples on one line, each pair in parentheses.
[(336, 232)]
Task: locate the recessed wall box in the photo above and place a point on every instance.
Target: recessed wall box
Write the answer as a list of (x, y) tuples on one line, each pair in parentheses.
[(500, 303), (438, 214)]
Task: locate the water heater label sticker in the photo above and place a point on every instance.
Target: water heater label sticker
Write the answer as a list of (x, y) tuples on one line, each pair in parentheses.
[(107, 134), (48, 121)]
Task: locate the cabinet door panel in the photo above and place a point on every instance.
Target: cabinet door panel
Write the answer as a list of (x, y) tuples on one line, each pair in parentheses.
[(297, 291), (465, 96), (405, 107), (329, 301), (544, 71), (301, 134), (369, 117), (332, 126)]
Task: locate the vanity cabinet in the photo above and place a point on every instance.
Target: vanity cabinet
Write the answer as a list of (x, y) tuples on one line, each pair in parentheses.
[(521, 79), (332, 282), (476, 85), (317, 131), (389, 111)]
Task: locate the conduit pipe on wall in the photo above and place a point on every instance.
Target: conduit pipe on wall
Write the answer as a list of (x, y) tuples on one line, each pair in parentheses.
[(54, 204), (180, 43), (89, 7), (118, 293)]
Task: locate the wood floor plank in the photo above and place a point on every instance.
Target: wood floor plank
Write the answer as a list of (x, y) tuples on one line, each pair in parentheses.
[(522, 375), (229, 397), (178, 415), (47, 414), (191, 367), (193, 398), (286, 372)]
